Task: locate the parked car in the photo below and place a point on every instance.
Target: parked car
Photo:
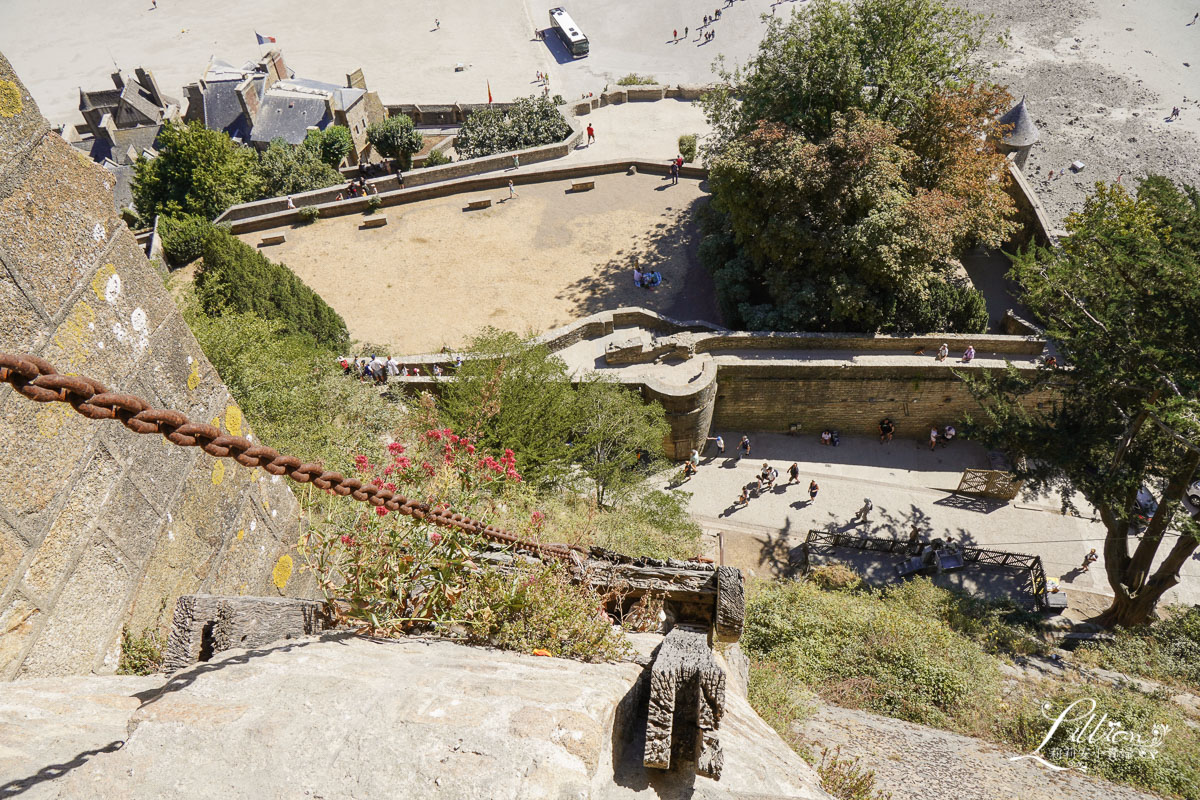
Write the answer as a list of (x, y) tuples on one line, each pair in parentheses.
[(1193, 494), (1144, 507)]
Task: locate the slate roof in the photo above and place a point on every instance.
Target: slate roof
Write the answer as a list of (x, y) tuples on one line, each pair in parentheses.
[(288, 115), (343, 97), (223, 110), (1022, 132)]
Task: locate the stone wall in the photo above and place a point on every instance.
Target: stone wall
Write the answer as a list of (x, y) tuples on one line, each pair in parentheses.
[(99, 527)]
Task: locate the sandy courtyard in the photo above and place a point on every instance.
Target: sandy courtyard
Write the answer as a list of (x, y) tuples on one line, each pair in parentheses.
[(436, 274)]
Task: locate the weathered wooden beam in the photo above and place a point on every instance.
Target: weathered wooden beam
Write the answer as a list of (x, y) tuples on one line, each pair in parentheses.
[(730, 613), (687, 701), (659, 579), (204, 625)]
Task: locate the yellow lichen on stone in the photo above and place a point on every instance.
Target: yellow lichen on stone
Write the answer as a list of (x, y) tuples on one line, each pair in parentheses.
[(10, 99), (73, 335), (218, 473), (100, 280), (50, 419), (233, 420), (241, 534), (282, 572), (194, 377)]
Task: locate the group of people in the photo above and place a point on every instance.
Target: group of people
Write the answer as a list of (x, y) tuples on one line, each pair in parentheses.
[(676, 165), (887, 429), (943, 353), (705, 36), (646, 280), (377, 369), (358, 188), (767, 478)]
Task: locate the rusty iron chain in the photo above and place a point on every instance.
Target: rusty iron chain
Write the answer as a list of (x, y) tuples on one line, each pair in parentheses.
[(38, 380)]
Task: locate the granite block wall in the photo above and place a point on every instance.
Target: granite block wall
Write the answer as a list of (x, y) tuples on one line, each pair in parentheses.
[(99, 527)]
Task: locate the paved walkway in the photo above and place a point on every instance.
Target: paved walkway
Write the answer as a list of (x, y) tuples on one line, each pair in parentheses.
[(908, 485)]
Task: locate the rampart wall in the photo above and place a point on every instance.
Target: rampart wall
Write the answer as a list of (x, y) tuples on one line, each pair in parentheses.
[(101, 528)]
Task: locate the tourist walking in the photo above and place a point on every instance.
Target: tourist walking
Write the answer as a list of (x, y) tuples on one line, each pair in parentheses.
[(512, 192), (793, 474), (694, 458), (591, 132), (865, 511), (744, 447), (720, 443), (516, 162), (437, 24), (933, 437), (675, 35), (1089, 559), (674, 173), (812, 491)]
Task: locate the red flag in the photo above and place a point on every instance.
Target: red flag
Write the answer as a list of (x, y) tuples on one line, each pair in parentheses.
[(489, 91)]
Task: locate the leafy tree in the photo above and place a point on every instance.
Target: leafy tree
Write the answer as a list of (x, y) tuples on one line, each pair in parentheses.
[(850, 172), (884, 58), (1119, 299), (332, 145), (528, 122), (197, 171), (612, 423), (396, 137), (517, 394), (840, 234), (288, 169), (183, 237), (236, 278)]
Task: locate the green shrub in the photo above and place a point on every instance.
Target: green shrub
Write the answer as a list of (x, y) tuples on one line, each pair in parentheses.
[(309, 214), (846, 778), (436, 158), (130, 218), (528, 122), (687, 147), (140, 655), (235, 277), (374, 203), (633, 79), (183, 237), (654, 524), (558, 100), (835, 576), (1167, 651)]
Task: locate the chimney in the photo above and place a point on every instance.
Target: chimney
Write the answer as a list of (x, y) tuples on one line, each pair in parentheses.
[(117, 80), (248, 97), (195, 103), (278, 68), (146, 79)]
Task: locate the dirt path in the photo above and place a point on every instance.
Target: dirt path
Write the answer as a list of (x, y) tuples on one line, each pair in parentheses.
[(436, 274)]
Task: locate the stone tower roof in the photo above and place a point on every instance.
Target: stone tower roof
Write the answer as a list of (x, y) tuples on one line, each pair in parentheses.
[(1018, 125)]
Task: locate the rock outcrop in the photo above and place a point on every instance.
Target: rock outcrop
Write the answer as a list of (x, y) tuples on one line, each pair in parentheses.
[(346, 717)]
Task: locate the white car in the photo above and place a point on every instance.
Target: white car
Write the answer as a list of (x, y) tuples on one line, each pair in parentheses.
[(1193, 494)]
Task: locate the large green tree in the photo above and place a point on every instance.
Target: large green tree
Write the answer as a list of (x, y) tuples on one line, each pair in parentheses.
[(527, 122), (396, 137), (288, 169), (856, 163), (196, 171), (1119, 300), (331, 145)]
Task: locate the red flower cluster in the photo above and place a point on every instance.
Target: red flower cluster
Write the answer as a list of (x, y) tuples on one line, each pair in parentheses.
[(506, 466), (537, 519)]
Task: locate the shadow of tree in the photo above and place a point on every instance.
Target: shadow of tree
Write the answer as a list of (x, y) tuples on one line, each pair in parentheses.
[(669, 247)]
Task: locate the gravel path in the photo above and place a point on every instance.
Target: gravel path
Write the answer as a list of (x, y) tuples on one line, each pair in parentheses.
[(918, 763)]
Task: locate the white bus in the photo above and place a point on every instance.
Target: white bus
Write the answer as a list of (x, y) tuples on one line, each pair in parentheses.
[(569, 32)]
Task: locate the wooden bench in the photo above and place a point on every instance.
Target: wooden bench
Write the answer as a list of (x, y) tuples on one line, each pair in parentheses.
[(267, 241), (583, 186), (475, 205), (376, 221)]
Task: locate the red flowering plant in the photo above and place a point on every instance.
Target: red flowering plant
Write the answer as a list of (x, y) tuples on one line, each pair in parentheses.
[(388, 573)]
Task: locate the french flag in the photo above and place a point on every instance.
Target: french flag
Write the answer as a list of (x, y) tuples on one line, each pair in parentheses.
[(264, 39)]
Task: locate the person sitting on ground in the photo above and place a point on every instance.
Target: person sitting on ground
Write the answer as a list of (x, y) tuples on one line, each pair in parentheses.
[(826, 436), (793, 474), (835, 438), (886, 429), (968, 354), (948, 435), (942, 352), (458, 362)]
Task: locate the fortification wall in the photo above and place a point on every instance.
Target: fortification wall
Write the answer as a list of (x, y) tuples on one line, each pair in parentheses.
[(99, 527)]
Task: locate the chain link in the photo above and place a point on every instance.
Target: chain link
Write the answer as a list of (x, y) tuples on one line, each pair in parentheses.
[(38, 380)]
